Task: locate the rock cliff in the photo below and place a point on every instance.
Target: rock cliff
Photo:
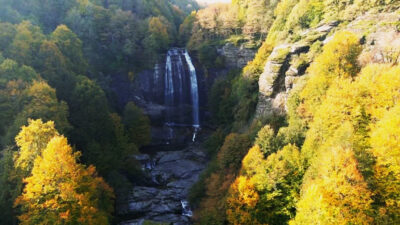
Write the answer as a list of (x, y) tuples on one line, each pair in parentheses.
[(236, 57), (289, 61)]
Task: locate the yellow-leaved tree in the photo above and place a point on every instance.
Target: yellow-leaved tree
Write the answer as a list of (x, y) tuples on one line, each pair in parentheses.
[(385, 142), (337, 194), (31, 140), (267, 190), (62, 191), (338, 59)]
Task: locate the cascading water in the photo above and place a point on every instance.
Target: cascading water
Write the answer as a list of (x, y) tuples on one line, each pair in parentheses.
[(181, 91), (195, 95), (181, 71), (194, 91), (169, 86), (186, 211)]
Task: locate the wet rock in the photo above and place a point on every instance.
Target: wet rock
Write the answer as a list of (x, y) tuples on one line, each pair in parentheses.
[(165, 207), (140, 206), (175, 172), (174, 219), (182, 185), (133, 222), (142, 157)]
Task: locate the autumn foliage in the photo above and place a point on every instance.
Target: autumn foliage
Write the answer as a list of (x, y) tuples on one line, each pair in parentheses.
[(32, 140), (62, 191), (336, 161), (58, 190)]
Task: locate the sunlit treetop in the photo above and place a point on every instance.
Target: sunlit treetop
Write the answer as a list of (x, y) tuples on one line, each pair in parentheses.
[(32, 140)]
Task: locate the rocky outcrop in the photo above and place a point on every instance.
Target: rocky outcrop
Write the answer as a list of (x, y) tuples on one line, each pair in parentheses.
[(379, 35), (378, 32), (170, 175), (236, 57), (283, 67)]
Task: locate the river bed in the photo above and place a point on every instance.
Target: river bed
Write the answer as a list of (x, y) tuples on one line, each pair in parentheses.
[(164, 198)]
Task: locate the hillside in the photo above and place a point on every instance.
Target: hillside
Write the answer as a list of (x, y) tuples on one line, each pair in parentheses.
[(305, 145), (60, 125)]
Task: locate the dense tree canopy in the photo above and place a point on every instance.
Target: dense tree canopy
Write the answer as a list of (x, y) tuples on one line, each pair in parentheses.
[(332, 160), (53, 57)]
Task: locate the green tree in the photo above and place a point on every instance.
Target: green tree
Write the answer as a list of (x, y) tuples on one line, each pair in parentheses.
[(52, 65), (89, 113), (51, 13), (26, 43), (137, 125), (233, 150), (71, 48), (385, 147), (7, 34), (10, 187), (158, 34), (40, 102), (266, 140)]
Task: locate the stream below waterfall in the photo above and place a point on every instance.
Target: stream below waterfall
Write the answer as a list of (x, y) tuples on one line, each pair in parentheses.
[(164, 198)]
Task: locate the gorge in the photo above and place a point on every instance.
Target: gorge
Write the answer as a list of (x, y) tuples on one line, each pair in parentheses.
[(170, 174)]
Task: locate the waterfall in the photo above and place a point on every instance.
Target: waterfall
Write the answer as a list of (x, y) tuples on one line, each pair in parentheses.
[(194, 91), (181, 91), (181, 71), (169, 87)]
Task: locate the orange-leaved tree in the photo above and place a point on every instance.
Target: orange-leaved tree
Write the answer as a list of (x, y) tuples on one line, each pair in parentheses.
[(242, 199)]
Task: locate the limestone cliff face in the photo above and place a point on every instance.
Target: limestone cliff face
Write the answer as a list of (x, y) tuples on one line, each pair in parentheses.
[(378, 33), (236, 57), (284, 66)]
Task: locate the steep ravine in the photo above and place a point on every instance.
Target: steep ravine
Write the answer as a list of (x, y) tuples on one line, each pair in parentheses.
[(174, 96), (173, 161)]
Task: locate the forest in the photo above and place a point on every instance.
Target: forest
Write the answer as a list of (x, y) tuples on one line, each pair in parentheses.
[(304, 130)]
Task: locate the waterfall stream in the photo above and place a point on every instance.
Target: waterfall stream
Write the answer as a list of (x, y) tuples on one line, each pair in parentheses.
[(169, 86), (194, 91), (181, 90)]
